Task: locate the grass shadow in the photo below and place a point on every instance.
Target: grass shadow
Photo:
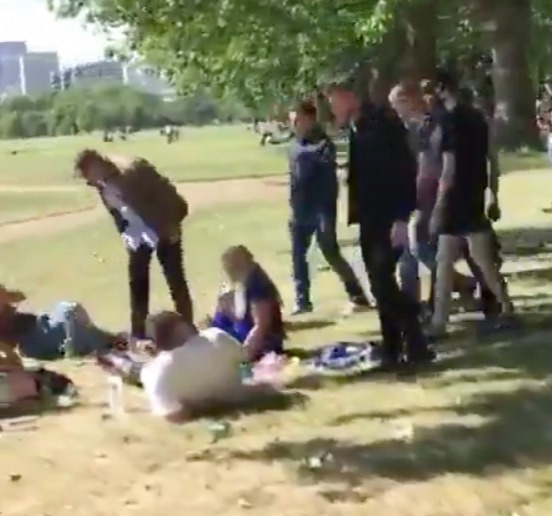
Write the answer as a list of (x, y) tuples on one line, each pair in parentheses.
[(308, 324), (491, 438), (257, 400)]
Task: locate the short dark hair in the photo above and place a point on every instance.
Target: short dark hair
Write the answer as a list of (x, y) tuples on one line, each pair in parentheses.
[(307, 108), (160, 327), (343, 84), (446, 80), (85, 158)]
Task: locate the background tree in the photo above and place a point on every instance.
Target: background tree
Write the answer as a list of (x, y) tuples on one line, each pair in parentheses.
[(78, 110)]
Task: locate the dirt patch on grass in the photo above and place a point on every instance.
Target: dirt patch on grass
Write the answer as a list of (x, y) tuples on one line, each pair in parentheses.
[(199, 195)]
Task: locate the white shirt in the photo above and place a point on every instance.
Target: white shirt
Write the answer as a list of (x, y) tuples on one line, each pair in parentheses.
[(205, 368), (136, 232)]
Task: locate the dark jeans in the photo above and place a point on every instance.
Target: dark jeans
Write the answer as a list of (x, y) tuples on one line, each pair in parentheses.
[(324, 229), (170, 258), (398, 312), (489, 302)]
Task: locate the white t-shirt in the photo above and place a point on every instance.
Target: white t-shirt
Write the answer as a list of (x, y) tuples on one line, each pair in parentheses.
[(137, 232), (205, 368)]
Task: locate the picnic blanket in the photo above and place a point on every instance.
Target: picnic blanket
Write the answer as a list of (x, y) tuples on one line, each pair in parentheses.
[(346, 358)]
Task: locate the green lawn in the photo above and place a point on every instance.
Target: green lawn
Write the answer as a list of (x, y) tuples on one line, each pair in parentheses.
[(20, 206), (471, 438), (202, 154)]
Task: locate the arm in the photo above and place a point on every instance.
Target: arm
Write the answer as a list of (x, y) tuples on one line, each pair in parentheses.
[(407, 170), (262, 314), (447, 148), (494, 164)]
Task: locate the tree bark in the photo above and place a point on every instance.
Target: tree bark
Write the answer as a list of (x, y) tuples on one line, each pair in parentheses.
[(508, 24)]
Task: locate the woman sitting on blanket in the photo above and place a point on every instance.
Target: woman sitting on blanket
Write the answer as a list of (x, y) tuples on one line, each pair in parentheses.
[(251, 309), (67, 328)]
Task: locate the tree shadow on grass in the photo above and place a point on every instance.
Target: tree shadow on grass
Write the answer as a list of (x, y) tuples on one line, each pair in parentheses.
[(309, 324), (507, 430), (525, 242), (33, 408), (258, 400)]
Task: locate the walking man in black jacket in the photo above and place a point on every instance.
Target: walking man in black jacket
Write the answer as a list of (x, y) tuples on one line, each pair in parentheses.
[(382, 196)]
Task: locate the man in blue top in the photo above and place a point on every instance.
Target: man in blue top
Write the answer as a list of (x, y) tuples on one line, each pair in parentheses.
[(313, 202)]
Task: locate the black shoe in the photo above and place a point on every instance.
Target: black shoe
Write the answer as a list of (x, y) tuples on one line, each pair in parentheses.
[(422, 357), (300, 310)]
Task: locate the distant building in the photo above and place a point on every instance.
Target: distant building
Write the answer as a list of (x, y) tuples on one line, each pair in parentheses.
[(146, 79), (36, 70), (10, 76), (99, 71), (10, 69), (12, 48)]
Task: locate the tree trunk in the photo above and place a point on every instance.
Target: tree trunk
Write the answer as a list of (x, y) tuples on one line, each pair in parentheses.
[(420, 25), (508, 23)]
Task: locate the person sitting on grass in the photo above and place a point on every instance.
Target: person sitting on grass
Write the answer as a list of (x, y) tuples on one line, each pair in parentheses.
[(66, 329), (189, 372), (251, 310)]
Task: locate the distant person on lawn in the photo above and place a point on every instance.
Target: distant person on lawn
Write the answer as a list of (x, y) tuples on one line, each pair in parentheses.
[(148, 213), (313, 203), (250, 309)]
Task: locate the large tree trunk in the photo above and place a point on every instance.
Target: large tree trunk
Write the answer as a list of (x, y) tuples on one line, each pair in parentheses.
[(508, 23), (419, 22)]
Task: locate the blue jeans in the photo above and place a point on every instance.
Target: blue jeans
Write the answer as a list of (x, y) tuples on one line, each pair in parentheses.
[(549, 149), (409, 267), (324, 230)]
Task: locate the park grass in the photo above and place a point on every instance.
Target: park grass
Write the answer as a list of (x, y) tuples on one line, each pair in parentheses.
[(473, 438), (202, 154), (20, 206)]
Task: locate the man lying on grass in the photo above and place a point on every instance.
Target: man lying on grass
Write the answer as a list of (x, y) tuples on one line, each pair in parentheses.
[(189, 372)]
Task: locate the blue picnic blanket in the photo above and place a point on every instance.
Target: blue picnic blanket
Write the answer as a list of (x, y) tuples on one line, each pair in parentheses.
[(347, 356)]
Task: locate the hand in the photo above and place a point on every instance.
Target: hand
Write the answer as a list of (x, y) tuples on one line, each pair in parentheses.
[(493, 209), (399, 233)]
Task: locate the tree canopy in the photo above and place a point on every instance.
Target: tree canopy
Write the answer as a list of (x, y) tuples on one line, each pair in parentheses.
[(273, 50)]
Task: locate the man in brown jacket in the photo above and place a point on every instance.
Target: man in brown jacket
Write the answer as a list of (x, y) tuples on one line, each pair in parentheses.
[(148, 213)]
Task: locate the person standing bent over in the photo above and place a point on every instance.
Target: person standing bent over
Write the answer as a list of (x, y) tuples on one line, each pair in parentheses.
[(148, 213)]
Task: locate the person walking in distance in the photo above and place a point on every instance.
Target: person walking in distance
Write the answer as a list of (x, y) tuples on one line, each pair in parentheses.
[(148, 213), (382, 196), (313, 202), (459, 213)]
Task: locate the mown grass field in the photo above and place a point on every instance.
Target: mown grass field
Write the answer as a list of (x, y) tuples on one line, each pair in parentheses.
[(470, 439)]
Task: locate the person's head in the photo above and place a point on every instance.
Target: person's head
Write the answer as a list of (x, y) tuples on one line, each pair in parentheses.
[(406, 99), (305, 118), (91, 166), (343, 101), (446, 86), (168, 330), (429, 95), (237, 262)]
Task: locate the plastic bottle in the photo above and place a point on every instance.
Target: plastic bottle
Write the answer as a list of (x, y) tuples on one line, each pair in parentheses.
[(115, 399)]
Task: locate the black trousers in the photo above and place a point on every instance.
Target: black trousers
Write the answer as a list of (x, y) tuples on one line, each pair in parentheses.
[(398, 313), (489, 303), (170, 258)]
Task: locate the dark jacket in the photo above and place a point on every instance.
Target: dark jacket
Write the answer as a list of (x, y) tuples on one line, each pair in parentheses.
[(151, 195), (382, 168), (313, 177)]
